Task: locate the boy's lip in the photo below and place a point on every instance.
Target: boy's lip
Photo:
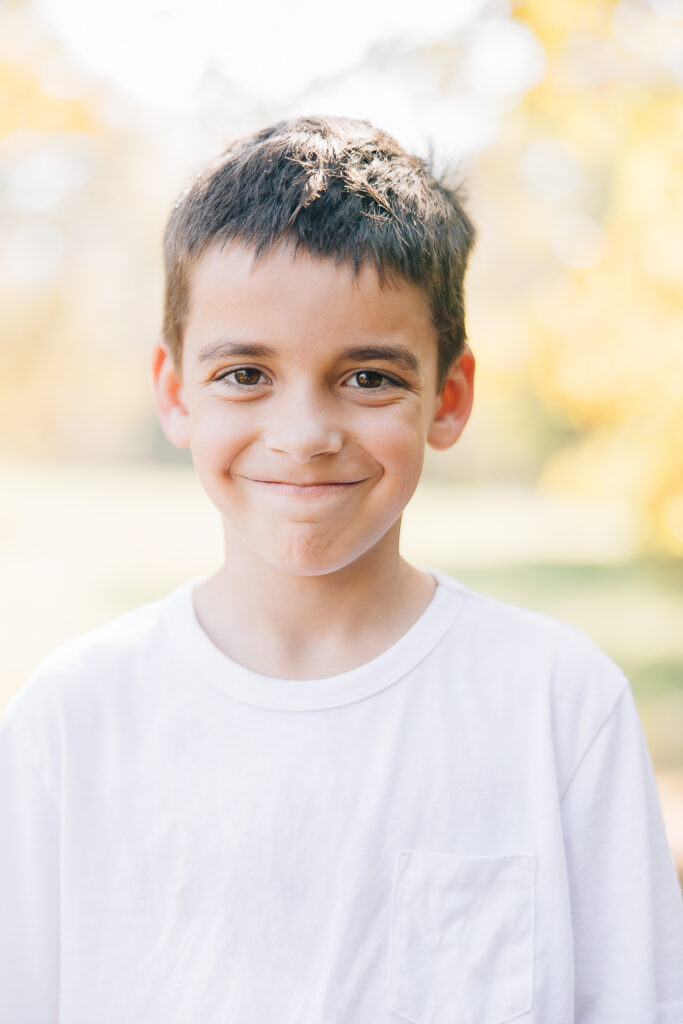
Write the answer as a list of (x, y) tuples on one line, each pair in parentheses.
[(310, 488), (303, 483)]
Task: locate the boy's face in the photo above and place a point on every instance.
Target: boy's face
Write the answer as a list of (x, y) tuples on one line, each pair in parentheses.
[(306, 396)]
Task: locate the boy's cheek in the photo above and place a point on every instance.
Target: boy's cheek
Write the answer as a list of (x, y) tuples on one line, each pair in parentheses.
[(403, 448), (211, 438)]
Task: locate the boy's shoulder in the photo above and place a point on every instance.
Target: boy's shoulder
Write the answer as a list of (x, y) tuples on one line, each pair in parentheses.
[(89, 663), (533, 655), (518, 629)]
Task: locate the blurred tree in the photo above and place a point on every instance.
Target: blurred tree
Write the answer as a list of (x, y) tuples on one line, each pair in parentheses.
[(82, 199), (607, 330)]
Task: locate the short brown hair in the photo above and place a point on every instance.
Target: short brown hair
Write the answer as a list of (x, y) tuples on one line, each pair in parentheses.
[(339, 189)]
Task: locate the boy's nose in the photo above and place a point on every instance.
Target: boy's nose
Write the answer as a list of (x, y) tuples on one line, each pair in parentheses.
[(303, 428)]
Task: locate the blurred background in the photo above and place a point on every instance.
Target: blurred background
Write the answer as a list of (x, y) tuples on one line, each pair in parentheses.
[(566, 121)]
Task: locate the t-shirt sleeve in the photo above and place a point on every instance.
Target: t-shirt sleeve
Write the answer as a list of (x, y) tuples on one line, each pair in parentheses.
[(626, 904), (29, 888)]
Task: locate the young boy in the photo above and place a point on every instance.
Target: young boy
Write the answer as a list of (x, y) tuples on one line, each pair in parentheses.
[(322, 786)]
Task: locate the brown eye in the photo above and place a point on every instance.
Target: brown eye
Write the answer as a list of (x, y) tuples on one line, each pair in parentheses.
[(369, 379), (243, 379), (247, 375)]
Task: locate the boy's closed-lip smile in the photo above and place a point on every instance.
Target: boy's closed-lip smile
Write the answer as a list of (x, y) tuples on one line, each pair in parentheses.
[(309, 489)]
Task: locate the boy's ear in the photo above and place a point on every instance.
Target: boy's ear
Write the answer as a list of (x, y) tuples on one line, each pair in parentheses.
[(169, 396), (454, 403)]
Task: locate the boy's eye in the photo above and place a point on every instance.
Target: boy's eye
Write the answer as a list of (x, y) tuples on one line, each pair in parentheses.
[(370, 380), (245, 376)]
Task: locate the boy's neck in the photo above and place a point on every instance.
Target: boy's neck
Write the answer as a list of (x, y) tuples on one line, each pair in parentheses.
[(307, 627)]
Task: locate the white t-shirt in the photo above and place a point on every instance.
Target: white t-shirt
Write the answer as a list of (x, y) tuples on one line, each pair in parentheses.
[(465, 830)]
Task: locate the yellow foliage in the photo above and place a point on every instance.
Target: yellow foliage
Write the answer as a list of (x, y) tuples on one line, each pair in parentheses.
[(553, 22), (606, 341), (26, 106)]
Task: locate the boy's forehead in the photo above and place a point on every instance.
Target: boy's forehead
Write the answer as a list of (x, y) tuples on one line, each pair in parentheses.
[(237, 262), (283, 290)]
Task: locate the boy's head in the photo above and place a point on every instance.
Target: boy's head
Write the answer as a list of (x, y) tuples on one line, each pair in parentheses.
[(314, 339), (339, 189)]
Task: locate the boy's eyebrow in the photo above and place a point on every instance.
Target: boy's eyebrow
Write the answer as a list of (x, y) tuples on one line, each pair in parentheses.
[(403, 357), (396, 354), (219, 349)]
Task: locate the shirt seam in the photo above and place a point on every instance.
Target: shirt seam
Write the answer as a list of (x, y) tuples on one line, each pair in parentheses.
[(33, 762), (620, 696)]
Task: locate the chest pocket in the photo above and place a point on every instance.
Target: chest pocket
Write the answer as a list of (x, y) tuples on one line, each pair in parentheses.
[(462, 938)]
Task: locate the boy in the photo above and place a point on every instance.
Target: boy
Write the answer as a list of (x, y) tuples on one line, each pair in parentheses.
[(322, 786)]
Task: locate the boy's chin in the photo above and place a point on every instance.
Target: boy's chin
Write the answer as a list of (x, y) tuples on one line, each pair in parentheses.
[(312, 560), (311, 565), (305, 551)]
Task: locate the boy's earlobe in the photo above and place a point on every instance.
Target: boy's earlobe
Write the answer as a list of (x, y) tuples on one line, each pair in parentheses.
[(454, 403), (169, 396)]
